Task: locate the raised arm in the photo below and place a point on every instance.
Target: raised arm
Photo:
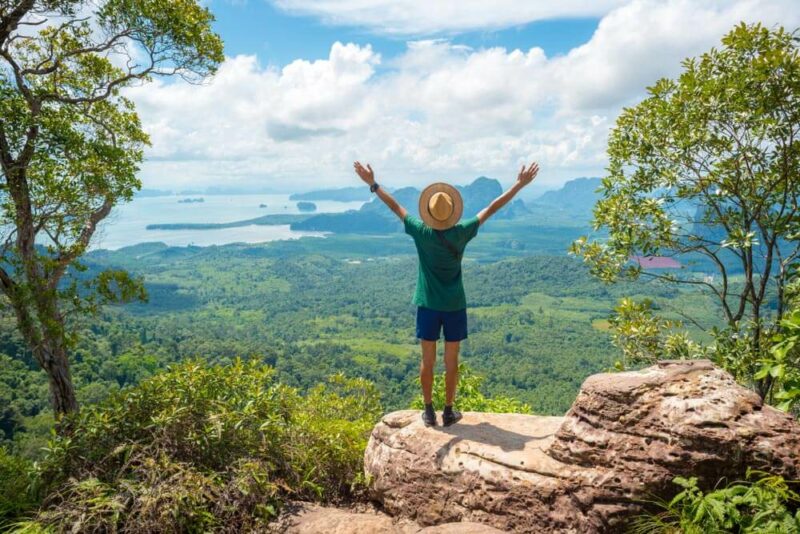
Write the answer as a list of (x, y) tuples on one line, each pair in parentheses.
[(526, 176), (367, 174)]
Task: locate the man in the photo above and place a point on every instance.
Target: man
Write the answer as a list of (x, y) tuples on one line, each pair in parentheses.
[(441, 304)]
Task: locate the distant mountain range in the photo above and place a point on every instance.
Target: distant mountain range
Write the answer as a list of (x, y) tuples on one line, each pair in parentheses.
[(573, 202), (374, 217), (576, 196)]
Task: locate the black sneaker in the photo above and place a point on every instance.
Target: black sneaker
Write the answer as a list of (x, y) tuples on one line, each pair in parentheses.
[(451, 417), (429, 418)]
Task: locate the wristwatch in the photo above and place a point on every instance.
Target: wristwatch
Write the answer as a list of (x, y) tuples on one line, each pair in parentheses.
[(374, 187)]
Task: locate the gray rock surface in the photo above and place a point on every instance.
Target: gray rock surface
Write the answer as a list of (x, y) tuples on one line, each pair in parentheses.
[(625, 438)]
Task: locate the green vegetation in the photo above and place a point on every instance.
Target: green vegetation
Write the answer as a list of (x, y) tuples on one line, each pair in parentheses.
[(644, 337), (762, 504), (15, 495), (179, 433), (782, 363), (533, 325), (70, 147), (205, 446), (706, 167)]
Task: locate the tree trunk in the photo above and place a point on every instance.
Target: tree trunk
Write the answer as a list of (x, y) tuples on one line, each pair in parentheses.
[(53, 357)]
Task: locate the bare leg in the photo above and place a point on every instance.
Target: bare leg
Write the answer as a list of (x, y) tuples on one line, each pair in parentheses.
[(451, 370), (426, 369)]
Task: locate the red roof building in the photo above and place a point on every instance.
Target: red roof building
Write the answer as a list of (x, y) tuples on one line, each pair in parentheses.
[(656, 262)]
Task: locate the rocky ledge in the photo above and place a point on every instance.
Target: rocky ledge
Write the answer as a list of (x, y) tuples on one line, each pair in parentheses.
[(625, 438)]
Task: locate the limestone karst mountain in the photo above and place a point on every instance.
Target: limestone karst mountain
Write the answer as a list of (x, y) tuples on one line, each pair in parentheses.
[(373, 217)]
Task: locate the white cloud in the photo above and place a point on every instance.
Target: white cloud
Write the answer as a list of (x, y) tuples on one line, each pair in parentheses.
[(437, 111), (646, 40), (424, 17)]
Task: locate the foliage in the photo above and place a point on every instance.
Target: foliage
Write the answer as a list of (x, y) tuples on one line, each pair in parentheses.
[(70, 148), (470, 397), (761, 504), (733, 349), (645, 338), (15, 497), (537, 326), (204, 447), (719, 138), (706, 167), (782, 364)]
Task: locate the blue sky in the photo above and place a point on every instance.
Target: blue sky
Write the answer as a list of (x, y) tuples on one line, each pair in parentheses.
[(423, 90), (278, 38)]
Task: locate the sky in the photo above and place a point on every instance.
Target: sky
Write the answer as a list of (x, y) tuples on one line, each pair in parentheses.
[(424, 90)]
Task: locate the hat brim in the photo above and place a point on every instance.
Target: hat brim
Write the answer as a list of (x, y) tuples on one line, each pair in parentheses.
[(424, 199)]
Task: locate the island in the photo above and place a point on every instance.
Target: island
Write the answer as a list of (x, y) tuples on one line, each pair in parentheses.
[(262, 206), (191, 200), (274, 219), (306, 206), (150, 193)]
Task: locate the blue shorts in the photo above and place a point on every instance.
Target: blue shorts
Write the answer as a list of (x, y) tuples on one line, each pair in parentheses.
[(431, 322)]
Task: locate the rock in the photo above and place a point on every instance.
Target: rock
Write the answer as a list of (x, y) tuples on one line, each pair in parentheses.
[(306, 518), (310, 518), (625, 438)]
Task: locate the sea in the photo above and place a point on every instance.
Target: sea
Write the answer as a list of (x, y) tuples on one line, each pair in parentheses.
[(127, 224)]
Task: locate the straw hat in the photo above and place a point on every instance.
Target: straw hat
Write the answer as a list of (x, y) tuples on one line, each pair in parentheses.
[(440, 206)]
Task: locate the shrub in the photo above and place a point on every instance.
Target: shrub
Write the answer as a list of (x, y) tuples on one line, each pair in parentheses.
[(760, 504), (15, 497), (469, 397), (644, 338), (203, 448), (782, 364)]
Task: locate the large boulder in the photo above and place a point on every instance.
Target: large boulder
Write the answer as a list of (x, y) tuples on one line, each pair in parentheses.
[(625, 438)]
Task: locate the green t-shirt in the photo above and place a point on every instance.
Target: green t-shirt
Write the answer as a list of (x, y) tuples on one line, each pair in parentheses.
[(439, 284)]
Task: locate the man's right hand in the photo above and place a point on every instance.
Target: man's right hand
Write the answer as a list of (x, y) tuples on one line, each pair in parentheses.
[(526, 175), (365, 174)]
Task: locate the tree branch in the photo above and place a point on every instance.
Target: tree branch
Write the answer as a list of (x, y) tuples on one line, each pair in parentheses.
[(10, 22), (67, 257)]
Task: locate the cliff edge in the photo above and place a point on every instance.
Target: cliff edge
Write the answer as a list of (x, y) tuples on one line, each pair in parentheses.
[(625, 438)]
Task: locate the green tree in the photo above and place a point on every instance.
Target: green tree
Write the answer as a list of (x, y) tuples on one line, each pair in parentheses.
[(707, 168), (782, 363), (70, 147), (644, 338)]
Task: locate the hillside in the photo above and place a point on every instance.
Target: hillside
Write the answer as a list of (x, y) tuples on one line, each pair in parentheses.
[(537, 323)]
